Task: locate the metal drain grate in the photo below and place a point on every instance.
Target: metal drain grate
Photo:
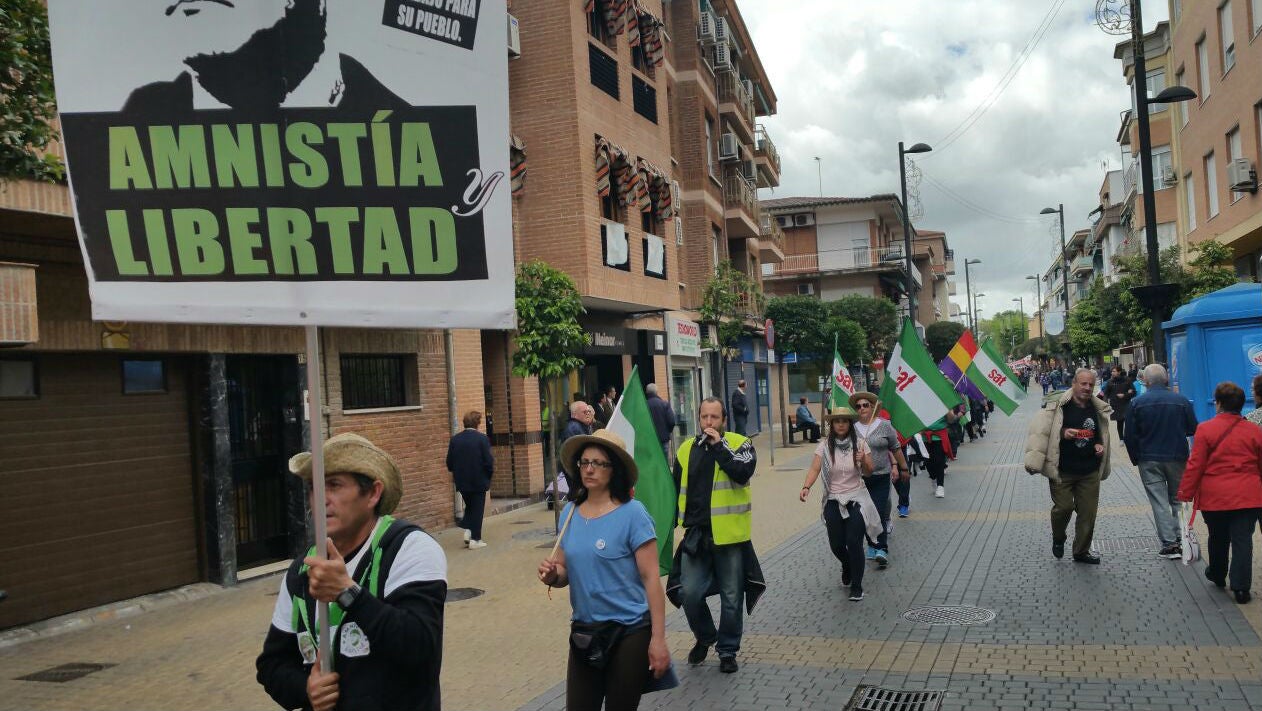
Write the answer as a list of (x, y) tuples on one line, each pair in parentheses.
[(1144, 544), (878, 698), (459, 594), (949, 615), (65, 672)]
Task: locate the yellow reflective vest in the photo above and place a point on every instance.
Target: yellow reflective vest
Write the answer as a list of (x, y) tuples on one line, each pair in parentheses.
[(731, 504)]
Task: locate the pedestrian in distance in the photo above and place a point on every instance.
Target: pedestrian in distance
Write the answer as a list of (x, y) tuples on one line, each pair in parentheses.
[(1045, 380), (608, 401), (386, 583), (1224, 481), (608, 558), (849, 514), (471, 465), (938, 449), (712, 473), (889, 468), (806, 422), (740, 408), (1119, 391), (580, 423), (1068, 444), (1158, 424), (663, 417)]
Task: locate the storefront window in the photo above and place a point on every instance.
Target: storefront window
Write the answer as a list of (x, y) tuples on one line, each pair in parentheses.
[(683, 390)]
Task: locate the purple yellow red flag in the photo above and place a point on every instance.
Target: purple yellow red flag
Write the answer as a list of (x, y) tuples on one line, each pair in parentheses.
[(955, 366)]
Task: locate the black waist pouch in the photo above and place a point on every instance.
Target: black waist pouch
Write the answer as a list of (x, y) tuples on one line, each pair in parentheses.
[(594, 642)]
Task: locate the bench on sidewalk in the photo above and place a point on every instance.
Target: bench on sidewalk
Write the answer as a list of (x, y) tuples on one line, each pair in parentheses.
[(793, 427)]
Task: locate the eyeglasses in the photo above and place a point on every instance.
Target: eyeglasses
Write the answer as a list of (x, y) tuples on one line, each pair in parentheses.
[(863, 405), (594, 464)]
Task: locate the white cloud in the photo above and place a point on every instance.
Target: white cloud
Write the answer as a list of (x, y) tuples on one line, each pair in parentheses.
[(854, 77)]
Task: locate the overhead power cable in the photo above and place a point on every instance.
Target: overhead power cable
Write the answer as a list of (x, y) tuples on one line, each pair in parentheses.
[(983, 211)]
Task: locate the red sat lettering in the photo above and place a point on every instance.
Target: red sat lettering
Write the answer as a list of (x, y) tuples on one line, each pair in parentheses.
[(996, 377), (904, 380)]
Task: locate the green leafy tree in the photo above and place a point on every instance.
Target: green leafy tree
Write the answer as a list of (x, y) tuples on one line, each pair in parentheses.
[(729, 298), (1090, 333), (802, 326), (1006, 329), (549, 336), (877, 317), (851, 341), (1211, 270), (941, 336), (27, 102)]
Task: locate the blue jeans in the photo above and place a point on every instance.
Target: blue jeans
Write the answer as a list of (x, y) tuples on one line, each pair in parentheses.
[(879, 490), (1161, 482), (903, 487), (724, 566)]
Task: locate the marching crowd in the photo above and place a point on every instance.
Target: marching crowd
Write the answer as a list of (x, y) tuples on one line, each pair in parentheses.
[(385, 580)]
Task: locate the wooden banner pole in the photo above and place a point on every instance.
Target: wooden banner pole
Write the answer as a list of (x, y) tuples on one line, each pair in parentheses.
[(315, 410)]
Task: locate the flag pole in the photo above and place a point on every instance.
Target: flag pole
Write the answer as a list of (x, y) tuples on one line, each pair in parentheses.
[(315, 417)]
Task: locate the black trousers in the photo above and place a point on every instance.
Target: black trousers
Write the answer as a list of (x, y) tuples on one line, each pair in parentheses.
[(937, 462), (474, 509), (847, 537), (1231, 531), (618, 685), (810, 429)]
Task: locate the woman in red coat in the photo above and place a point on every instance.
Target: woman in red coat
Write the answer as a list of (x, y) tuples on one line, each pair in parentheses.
[(1224, 477)]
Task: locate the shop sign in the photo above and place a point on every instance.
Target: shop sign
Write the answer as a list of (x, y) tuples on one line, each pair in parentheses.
[(684, 337), (607, 341)]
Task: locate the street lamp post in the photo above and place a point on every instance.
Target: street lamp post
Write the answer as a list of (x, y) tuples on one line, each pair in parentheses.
[(1038, 295), (1155, 295), (1024, 324), (968, 295), (1064, 254), (976, 309), (902, 178)]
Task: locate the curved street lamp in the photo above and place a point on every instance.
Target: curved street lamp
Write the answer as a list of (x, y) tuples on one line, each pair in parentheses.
[(968, 295), (902, 178)]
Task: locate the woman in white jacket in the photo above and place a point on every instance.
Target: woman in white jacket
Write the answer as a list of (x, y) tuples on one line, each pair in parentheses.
[(850, 516)]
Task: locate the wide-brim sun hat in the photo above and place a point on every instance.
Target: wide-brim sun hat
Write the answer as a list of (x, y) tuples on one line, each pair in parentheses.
[(349, 453), (840, 413), (861, 396), (610, 441)]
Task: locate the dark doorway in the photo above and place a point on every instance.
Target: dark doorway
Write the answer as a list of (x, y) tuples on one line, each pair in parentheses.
[(601, 373), (262, 431)]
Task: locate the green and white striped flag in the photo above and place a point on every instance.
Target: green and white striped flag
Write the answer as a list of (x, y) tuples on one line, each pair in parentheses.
[(656, 488), (989, 373), (843, 384), (914, 391)]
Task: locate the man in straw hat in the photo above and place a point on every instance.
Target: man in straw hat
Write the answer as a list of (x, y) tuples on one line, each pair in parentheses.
[(385, 581), (712, 473)]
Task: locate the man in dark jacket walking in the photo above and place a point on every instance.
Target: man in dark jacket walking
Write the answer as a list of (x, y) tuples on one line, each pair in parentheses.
[(1119, 391), (740, 408), (471, 465), (1157, 427), (386, 583), (663, 417)]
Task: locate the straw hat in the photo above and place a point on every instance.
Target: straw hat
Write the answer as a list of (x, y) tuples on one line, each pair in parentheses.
[(574, 445), (351, 454), (840, 413), (861, 396)]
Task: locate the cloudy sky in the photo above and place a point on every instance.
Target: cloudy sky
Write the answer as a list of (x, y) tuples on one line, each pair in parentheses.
[(855, 77)]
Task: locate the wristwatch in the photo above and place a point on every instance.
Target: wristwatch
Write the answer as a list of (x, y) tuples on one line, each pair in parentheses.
[(347, 597)]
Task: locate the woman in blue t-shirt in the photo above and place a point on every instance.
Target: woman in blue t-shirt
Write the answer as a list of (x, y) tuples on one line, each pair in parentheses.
[(608, 557)]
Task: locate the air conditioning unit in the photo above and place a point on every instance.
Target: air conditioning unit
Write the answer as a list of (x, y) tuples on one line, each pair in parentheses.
[(806, 289), (784, 220), (514, 37), (1168, 176), (804, 219), (1241, 177), (729, 147), (722, 58), (705, 27), (722, 34)]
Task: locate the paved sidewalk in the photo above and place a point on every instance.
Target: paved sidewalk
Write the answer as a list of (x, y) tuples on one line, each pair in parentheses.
[(501, 649), (1137, 632)]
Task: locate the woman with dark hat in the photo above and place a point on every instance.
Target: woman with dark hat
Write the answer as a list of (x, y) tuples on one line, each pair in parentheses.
[(849, 514), (882, 441), (608, 557)]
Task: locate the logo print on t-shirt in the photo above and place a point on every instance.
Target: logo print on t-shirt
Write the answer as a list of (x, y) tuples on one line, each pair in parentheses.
[(1086, 433), (600, 544)]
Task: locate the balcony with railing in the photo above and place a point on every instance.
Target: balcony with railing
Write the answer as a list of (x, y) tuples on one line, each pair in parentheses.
[(767, 158), (1130, 181), (734, 99), (1083, 265), (843, 261), (740, 206), (771, 241)]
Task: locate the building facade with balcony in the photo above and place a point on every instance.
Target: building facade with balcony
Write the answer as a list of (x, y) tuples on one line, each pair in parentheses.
[(723, 156), (1217, 51), (1107, 236), (835, 246)]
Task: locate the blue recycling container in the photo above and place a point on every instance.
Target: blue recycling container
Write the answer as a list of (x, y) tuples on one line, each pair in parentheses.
[(1214, 338)]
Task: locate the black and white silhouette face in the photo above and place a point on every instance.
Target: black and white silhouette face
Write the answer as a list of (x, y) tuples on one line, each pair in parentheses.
[(223, 26)]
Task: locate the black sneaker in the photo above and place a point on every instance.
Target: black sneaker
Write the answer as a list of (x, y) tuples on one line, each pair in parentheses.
[(1058, 549), (1174, 551), (698, 653), (845, 577), (1087, 558), (1242, 596), (1220, 582), (728, 665), (856, 593)]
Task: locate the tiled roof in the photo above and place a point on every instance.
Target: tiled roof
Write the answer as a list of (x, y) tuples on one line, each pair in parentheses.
[(809, 202)]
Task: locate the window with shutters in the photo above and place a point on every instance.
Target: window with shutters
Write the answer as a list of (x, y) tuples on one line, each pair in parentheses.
[(604, 70), (644, 97), (371, 381)]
